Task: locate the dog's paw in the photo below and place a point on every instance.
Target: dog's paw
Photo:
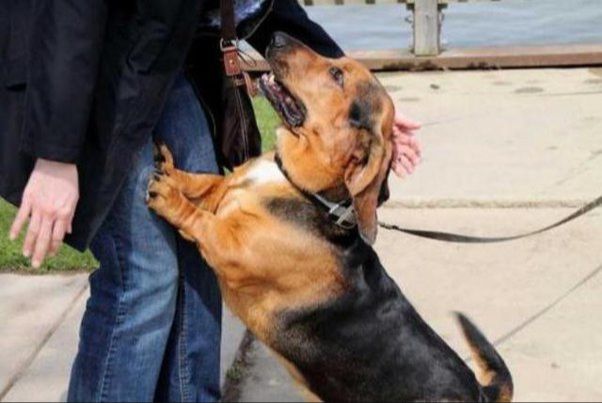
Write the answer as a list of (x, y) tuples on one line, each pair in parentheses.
[(163, 158), (161, 195)]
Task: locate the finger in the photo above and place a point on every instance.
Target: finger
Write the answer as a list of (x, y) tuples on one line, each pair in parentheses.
[(409, 153), (406, 164), (408, 141), (399, 169), (32, 233), (58, 234), (70, 223), (399, 133), (402, 167), (22, 216), (416, 146), (42, 243), (403, 139), (404, 122)]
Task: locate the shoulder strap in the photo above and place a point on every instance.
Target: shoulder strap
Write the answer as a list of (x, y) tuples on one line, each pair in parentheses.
[(229, 44), (228, 21)]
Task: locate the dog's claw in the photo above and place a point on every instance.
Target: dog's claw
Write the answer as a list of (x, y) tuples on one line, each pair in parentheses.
[(157, 154)]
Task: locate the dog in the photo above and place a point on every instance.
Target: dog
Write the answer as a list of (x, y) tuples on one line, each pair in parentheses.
[(289, 237)]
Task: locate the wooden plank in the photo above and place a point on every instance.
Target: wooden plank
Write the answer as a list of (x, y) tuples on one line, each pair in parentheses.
[(377, 2), (427, 29), (476, 58), (348, 2)]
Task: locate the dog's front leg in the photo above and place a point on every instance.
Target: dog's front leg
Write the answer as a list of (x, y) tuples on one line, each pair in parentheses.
[(214, 236), (204, 190)]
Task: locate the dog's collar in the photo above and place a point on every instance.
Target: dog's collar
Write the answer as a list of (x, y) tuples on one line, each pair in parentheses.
[(342, 214)]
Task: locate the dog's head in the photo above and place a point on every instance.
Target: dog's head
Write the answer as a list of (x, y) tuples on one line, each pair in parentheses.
[(338, 121)]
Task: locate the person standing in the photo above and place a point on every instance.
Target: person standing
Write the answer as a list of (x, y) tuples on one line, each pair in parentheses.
[(87, 87)]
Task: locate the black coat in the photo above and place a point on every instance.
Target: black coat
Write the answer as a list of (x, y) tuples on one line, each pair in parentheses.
[(85, 82)]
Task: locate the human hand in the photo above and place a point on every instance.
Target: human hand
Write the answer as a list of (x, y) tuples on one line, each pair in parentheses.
[(49, 202), (407, 151)]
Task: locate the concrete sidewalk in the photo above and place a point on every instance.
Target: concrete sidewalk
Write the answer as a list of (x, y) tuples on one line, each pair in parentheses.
[(505, 152), (503, 138), (40, 318)]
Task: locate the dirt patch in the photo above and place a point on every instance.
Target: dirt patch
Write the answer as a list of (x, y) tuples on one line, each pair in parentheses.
[(529, 90), (393, 88), (597, 71), (239, 370), (409, 99)]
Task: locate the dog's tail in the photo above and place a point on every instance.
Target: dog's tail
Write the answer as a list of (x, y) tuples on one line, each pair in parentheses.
[(493, 374)]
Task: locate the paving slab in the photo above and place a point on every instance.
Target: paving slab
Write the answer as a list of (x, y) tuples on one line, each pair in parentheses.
[(267, 381), (522, 286), (520, 293), (31, 308), (29, 327), (47, 378), (233, 332), (502, 137)]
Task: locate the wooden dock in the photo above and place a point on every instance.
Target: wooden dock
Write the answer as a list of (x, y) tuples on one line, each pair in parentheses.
[(426, 52), (487, 58)]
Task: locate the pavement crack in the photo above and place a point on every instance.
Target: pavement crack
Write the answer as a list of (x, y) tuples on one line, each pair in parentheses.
[(578, 170), (548, 308), (34, 354)]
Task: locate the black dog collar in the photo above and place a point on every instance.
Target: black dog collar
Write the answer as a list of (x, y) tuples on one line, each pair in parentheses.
[(342, 214)]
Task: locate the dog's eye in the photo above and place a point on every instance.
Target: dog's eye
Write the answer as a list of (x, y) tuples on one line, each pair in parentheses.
[(337, 75)]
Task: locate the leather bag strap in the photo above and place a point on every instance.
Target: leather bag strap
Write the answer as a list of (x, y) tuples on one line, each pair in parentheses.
[(229, 43), (228, 21)]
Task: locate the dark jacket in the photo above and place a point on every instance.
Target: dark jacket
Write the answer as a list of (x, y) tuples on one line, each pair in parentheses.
[(85, 82)]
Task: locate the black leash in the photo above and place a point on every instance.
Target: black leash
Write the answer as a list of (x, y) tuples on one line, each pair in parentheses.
[(458, 238)]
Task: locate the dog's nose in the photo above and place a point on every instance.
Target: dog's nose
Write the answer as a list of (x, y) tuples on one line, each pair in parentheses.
[(279, 40)]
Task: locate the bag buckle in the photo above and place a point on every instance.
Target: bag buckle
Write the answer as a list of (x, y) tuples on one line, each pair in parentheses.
[(231, 62)]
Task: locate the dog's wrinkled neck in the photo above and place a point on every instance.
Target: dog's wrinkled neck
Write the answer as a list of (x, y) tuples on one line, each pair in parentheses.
[(335, 194), (339, 209), (308, 167)]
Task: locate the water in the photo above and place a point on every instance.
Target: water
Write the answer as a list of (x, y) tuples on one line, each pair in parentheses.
[(507, 22)]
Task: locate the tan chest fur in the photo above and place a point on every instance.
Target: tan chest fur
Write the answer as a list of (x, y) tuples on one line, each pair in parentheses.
[(278, 265)]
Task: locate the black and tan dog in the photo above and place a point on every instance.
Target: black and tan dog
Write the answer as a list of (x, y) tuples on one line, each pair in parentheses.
[(294, 259)]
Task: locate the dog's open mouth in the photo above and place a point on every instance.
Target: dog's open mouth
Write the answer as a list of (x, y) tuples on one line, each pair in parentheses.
[(290, 109)]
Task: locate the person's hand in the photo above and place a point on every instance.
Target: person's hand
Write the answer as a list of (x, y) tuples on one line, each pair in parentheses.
[(407, 152), (49, 202)]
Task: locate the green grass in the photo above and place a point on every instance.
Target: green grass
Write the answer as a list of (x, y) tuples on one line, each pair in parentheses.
[(267, 120), (69, 260), (12, 260)]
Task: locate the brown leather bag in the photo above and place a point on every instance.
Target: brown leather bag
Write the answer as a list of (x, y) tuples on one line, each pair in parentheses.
[(240, 136)]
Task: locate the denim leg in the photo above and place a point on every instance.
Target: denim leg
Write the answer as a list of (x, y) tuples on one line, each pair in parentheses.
[(152, 325), (192, 362), (129, 315)]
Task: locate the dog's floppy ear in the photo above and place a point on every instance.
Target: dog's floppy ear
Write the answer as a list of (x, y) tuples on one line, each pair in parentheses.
[(363, 178)]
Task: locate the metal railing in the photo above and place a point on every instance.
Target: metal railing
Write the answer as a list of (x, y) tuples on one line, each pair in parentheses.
[(426, 21)]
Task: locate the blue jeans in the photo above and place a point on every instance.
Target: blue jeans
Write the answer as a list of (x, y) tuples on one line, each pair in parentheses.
[(152, 326)]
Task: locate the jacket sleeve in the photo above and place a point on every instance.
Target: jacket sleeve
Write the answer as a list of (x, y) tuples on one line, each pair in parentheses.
[(66, 43), (289, 17)]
